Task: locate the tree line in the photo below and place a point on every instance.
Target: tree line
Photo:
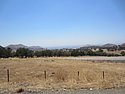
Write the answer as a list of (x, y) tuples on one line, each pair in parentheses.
[(24, 53)]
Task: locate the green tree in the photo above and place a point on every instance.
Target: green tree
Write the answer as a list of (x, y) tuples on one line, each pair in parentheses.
[(24, 52), (2, 52), (123, 53), (8, 52)]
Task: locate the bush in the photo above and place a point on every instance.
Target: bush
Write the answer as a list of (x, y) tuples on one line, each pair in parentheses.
[(123, 53), (20, 90)]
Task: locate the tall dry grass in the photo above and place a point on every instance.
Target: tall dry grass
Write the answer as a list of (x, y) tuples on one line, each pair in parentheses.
[(60, 73)]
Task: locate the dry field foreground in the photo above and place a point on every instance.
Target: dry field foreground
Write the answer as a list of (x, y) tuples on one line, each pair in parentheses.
[(60, 73)]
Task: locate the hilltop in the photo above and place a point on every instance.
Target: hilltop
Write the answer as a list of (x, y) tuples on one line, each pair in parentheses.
[(14, 47)]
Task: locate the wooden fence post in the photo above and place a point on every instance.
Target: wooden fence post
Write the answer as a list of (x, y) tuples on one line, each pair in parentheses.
[(78, 75), (45, 74), (8, 75), (103, 75)]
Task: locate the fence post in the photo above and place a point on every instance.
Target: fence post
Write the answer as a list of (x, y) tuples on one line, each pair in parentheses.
[(103, 75), (45, 74), (78, 75), (8, 75)]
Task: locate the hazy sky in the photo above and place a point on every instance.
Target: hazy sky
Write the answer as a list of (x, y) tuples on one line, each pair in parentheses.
[(61, 22)]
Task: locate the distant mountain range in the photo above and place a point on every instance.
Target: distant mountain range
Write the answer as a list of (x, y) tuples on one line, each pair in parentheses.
[(14, 47), (109, 45), (123, 45), (17, 46), (36, 48), (105, 46)]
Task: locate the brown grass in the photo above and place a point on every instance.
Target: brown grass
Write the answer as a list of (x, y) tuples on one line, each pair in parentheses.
[(29, 73)]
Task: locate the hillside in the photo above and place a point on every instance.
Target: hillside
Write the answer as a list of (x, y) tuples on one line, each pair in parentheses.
[(123, 45), (17, 46), (109, 45), (35, 48)]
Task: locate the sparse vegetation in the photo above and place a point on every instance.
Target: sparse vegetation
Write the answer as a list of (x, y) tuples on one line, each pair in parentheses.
[(29, 73)]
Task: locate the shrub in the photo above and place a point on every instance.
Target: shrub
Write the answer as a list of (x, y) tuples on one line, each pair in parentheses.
[(20, 90)]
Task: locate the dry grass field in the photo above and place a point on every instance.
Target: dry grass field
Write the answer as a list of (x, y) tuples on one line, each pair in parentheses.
[(60, 73)]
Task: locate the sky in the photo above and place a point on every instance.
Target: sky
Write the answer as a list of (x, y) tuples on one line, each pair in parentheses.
[(52, 23)]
